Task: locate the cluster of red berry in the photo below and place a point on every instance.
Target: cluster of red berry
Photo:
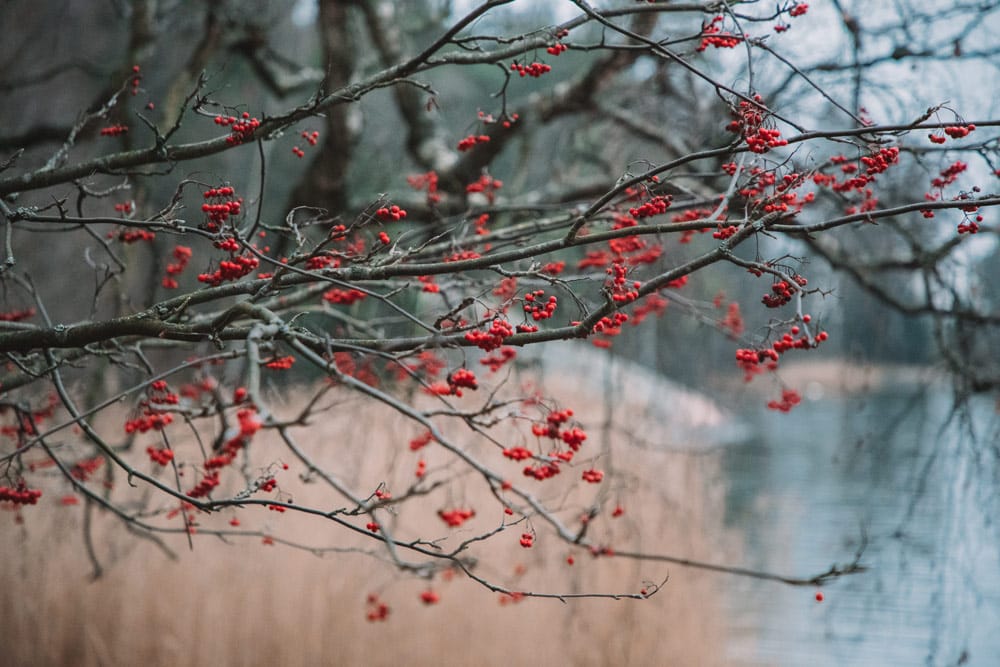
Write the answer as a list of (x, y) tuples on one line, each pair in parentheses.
[(536, 308), (390, 213), (20, 494), (428, 181), (496, 361), (208, 482), (714, 36), (459, 378), (789, 399), (343, 297), (240, 129), (182, 255), (226, 205), (535, 69), (132, 235), (953, 131), (471, 140), (281, 363), (486, 185), (655, 206), (230, 270), (492, 338), (456, 517), (311, 137), (377, 610), (114, 130), (162, 456)]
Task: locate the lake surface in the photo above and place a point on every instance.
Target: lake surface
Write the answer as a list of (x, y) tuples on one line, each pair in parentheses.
[(899, 471)]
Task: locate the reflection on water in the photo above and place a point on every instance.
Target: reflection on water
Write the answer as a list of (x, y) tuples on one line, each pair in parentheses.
[(901, 470)]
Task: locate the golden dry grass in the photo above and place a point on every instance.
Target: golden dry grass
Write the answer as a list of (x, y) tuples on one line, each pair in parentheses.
[(244, 603)]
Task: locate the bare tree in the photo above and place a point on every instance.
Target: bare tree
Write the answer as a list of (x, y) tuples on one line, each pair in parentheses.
[(404, 203)]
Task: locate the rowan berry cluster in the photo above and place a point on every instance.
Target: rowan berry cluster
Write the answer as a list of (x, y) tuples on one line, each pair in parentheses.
[(428, 181), (132, 235), (877, 163), (125, 208), (655, 206), (152, 408), (17, 315), (733, 320), (208, 482), (725, 231), (714, 36), (240, 129), (535, 69), (114, 130), (789, 341), (182, 256), (248, 426), (456, 517), (462, 378), (421, 441), (609, 327), (496, 361), (429, 597), (536, 308), (750, 360), (428, 284), (20, 494), (782, 293), (480, 224), (593, 476), (970, 226), (749, 122), (527, 539), (226, 205), (653, 304), (799, 9), (789, 399), (556, 49), (950, 174), (486, 185), (281, 363), (390, 213), (230, 270), (84, 468), (377, 610), (554, 268), (161, 456), (953, 131), (311, 137), (517, 453), (471, 140), (492, 338), (136, 79), (144, 423)]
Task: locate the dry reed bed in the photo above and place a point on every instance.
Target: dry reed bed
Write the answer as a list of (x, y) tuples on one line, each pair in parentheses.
[(241, 602)]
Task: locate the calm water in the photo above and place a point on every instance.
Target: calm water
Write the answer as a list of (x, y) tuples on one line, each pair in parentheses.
[(920, 484)]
